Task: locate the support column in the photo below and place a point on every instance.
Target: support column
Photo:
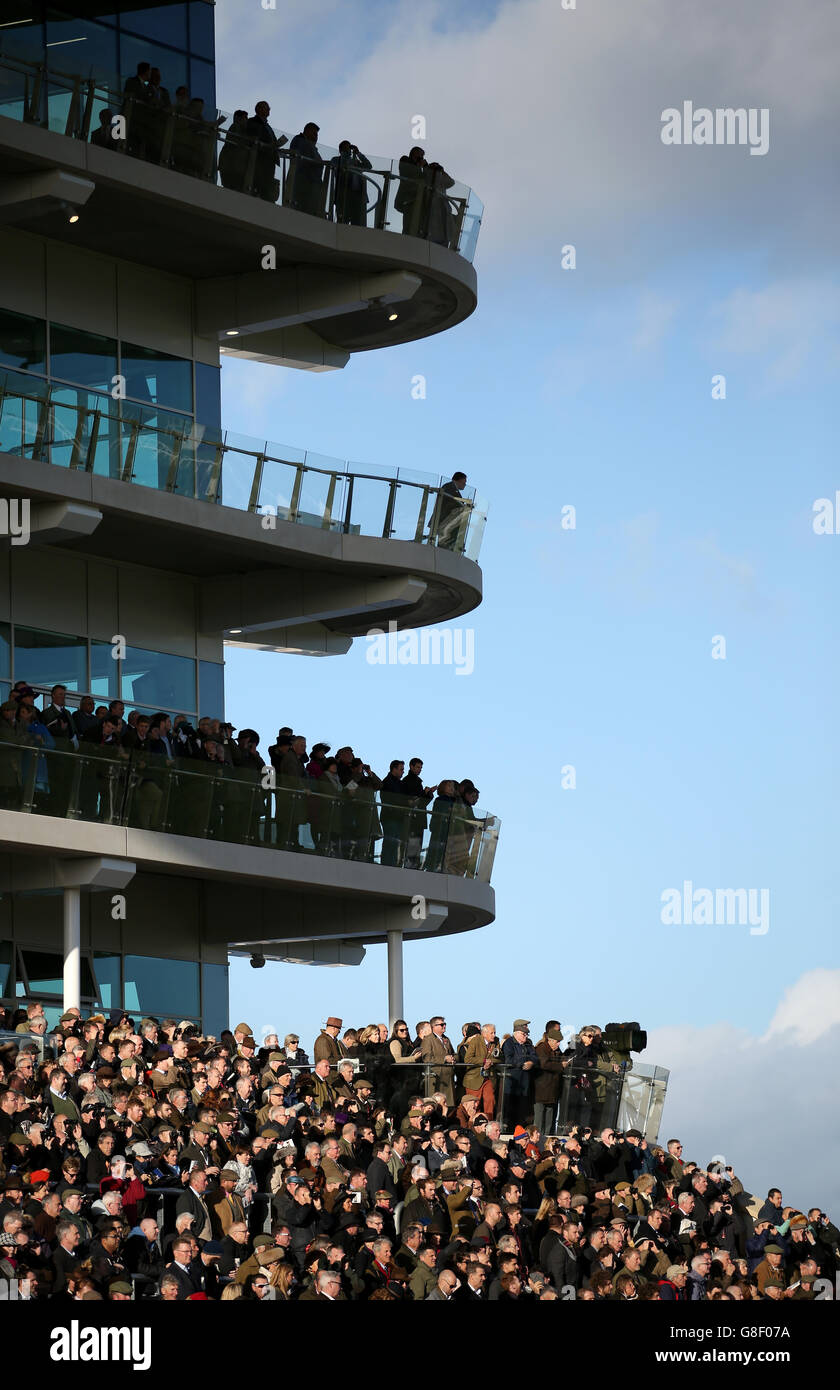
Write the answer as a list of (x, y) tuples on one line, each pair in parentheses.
[(395, 977), (72, 948)]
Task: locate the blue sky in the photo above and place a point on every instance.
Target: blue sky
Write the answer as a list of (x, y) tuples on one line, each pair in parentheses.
[(593, 388)]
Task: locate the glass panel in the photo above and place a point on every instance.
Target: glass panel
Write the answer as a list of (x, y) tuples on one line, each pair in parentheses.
[(203, 84), (79, 47), (106, 967), (370, 506), (88, 359), (208, 395), (156, 678), (317, 497), (156, 377), (202, 37), (5, 649), (23, 342), (173, 66), (214, 998), (161, 987), (238, 469), (45, 973), (408, 515), (47, 658), (277, 485), (104, 671), (162, 23), (211, 688), (151, 446), (5, 964)]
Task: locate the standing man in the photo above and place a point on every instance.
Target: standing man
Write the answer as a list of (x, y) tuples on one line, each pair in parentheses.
[(307, 172), (480, 1057), (437, 1050), (450, 511), (520, 1058), (327, 1046), (267, 159)]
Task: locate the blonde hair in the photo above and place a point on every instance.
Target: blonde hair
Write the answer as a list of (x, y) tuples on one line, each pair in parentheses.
[(280, 1276), (230, 1292)]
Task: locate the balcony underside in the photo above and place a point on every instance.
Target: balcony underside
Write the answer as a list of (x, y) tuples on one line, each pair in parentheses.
[(256, 896), (167, 220), (293, 573)]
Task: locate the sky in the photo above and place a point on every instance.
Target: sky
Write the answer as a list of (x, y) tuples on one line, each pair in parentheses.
[(676, 648)]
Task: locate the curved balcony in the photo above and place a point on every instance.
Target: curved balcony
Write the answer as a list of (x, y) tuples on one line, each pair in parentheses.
[(206, 145), (74, 429), (217, 802)]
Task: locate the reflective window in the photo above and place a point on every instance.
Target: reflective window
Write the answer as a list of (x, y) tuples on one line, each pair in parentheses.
[(208, 395), (47, 658), (80, 47), (161, 24), (5, 649), (104, 671), (211, 689), (173, 66), (202, 38), (5, 964), (156, 378), (214, 998), (23, 342), (161, 987), (86, 358), (45, 974), (203, 83), (153, 678), (106, 967), (5, 687), (24, 41)]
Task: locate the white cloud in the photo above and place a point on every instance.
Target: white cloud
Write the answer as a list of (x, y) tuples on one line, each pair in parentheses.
[(794, 325), (768, 1104), (554, 116)]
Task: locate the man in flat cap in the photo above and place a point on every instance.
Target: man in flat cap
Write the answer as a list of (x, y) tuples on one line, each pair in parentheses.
[(225, 1206), (520, 1058)]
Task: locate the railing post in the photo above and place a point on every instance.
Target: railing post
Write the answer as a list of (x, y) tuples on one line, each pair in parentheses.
[(348, 505), (388, 528)]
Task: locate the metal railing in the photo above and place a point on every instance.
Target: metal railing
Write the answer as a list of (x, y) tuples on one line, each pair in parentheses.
[(90, 433), (214, 801), (421, 201)]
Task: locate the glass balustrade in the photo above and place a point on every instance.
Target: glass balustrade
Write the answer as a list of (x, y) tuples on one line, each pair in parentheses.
[(108, 785), (418, 200), (85, 432)]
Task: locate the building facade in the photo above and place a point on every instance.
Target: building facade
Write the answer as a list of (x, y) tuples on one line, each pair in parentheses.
[(143, 238)]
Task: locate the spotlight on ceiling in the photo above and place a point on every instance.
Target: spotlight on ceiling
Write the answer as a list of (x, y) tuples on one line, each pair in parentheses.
[(392, 317)]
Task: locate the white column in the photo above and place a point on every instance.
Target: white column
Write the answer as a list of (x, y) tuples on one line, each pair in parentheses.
[(72, 948), (395, 977)]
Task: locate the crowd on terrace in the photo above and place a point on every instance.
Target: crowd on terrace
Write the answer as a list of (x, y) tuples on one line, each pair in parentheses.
[(298, 801), (175, 130), (147, 1160)]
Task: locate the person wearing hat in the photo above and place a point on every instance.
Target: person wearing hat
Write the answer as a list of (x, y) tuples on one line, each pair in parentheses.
[(672, 1289), (480, 1057), (771, 1267), (327, 1046), (548, 1079), (226, 1207), (519, 1057)]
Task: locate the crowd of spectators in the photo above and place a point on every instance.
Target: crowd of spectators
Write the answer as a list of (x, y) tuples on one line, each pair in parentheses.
[(299, 800), (176, 131), (147, 1160)]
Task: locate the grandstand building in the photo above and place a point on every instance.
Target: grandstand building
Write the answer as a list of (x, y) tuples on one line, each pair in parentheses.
[(139, 540)]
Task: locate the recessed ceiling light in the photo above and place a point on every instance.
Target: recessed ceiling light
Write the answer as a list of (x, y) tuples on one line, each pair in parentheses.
[(391, 317), (234, 630), (74, 217), (232, 333)]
